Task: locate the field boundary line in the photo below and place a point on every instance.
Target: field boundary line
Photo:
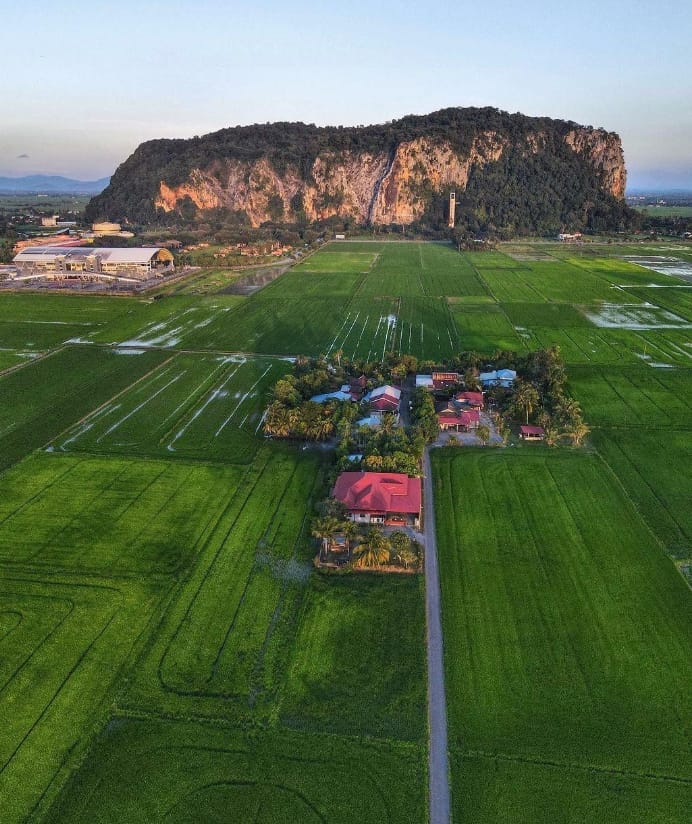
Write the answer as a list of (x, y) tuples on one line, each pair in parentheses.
[(544, 762), (202, 569), (635, 470), (23, 364)]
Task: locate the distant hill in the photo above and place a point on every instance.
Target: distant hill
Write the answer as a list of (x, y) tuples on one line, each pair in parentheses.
[(53, 184), (512, 174)]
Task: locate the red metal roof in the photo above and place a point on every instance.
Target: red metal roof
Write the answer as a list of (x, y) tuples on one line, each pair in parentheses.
[(470, 397), (531, 430), (378, 492), (385, 403), (466, 418)]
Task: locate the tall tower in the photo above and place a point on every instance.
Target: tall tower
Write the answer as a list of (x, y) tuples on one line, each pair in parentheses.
[(452, 209)]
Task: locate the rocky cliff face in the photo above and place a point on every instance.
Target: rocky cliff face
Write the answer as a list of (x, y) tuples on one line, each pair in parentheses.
[(604, 152), (381, 175), (382, 188)]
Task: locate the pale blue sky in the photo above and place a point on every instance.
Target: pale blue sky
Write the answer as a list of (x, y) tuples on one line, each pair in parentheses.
[(85, 82)]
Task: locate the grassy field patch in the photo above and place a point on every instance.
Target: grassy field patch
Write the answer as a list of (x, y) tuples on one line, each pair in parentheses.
[(42, 399), (58, 666), (107, 516), (551, 585), (638, 397), (485, 328), (379, 622), (182, 773), (194, 406)]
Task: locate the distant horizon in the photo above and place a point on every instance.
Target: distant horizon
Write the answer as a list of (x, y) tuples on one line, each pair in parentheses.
[(638, 179)]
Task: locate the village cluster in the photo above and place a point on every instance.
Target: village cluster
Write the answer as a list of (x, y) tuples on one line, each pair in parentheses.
[(379, 418)]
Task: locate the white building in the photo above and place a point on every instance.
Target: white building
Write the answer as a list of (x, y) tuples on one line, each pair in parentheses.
[(89, 263)]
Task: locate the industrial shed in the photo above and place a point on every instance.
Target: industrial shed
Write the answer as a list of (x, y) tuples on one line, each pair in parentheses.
[(88, 262)]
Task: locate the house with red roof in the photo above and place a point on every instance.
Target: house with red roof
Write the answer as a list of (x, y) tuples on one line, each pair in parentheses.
[(531, 433), (383, 399), (459, 421), (470, 400), (443, 380), (380, 497)]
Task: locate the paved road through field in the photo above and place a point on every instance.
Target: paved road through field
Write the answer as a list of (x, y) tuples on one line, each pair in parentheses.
[(437, 708)]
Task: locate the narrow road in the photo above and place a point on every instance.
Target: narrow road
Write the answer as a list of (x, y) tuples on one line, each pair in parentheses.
[(437, 708)]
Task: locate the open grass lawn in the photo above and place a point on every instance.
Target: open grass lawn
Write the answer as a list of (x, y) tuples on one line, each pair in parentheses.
[(182, 773), (566, 642), (378, 621), (45, 397), (638, 396), (193, 406)]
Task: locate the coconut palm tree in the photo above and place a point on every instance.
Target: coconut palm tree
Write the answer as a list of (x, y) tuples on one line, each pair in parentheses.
[(387, 423), (324, 529), (277, 421), (526, 398), (374, 551), (552, 434)]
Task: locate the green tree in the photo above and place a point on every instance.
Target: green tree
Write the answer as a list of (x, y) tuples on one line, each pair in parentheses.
[(324, 529), (374, 551), (526, 398), (577, 432), (483, 434)]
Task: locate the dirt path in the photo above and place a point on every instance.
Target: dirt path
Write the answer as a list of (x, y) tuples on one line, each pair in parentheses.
[(437, 708)]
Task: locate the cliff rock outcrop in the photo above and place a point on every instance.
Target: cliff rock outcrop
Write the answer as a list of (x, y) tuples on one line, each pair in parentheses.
[(378, 174)]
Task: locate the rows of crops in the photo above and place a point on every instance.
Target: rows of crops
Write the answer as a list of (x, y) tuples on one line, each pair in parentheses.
[(191, 406), (551, 586), (167, 651)]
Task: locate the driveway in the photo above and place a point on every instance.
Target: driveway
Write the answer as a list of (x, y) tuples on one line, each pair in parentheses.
[(437, 708)]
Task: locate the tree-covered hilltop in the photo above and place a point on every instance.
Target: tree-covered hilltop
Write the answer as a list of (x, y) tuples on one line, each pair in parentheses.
[(512, 173)]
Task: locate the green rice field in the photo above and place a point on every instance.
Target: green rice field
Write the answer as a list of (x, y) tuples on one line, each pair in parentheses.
[(551, 584), (168, 652)]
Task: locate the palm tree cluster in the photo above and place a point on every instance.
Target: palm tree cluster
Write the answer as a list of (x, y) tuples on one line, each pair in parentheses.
[(291, 413), (371, 550), (309, 421), (541, 394)]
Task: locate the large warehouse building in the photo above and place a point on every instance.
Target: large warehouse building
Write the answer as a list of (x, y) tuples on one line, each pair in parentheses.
[(87, 262)]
